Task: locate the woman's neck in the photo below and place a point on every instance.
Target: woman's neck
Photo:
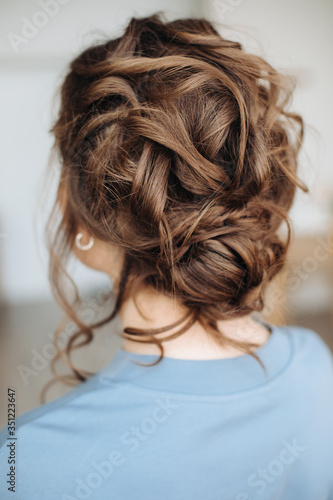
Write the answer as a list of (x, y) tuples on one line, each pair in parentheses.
[(195, 343)]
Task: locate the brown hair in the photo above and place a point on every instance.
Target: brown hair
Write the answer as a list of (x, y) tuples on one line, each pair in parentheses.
[(177, 146)]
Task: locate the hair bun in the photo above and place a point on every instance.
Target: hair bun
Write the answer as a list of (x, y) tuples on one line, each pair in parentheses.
[(178, 146)]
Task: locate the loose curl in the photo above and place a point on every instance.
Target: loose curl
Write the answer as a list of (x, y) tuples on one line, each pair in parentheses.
[(177, 146)]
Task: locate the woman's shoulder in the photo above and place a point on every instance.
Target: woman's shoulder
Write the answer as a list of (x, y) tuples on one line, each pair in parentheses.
[(308, 340), (311, 356), (55, 412)]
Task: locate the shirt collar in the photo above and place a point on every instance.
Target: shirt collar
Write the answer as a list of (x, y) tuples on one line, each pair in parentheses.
[(202, 377)]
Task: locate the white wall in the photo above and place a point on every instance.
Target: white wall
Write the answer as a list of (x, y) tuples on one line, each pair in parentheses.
[(294, 34)]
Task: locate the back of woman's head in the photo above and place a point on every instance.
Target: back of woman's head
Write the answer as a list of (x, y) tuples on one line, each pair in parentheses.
[(176, 145)]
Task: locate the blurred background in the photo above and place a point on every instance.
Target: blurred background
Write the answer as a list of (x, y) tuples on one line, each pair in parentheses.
[(38, 39)]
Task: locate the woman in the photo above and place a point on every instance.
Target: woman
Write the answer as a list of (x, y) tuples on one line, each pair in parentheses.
[(178, 166)]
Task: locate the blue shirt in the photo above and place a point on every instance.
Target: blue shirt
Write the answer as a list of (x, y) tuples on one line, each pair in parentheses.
[(185, 429)]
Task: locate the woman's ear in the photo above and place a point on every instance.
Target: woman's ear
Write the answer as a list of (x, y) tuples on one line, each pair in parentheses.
[(83, 246), (62, 198), (99, 255)]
